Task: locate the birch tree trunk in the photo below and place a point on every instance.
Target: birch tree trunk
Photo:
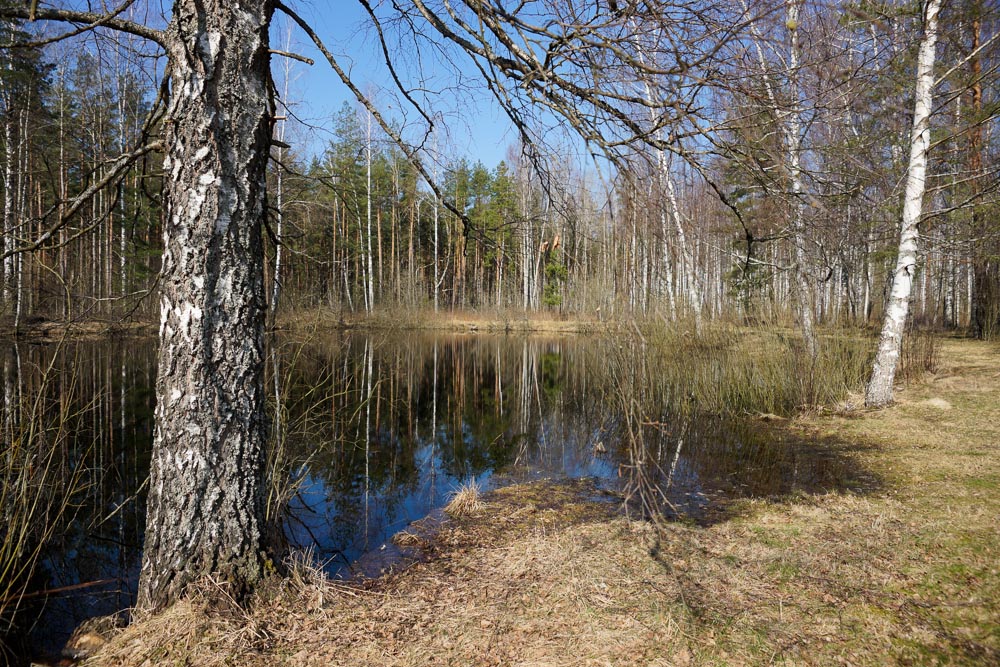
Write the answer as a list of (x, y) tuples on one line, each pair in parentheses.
[(436, 211), (7, 235), (879, 391), (279, 204), (370, 284), (122, 91), (22, 204), (803, 290), (67, 307), (665, 184), (206, 507), (693, 291), (791, 128)]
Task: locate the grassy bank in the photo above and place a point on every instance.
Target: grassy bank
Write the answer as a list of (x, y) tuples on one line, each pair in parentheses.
[(470, 321), (53, 331), (550, 574)]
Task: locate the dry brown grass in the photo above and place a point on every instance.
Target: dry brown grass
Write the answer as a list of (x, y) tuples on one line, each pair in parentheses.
[(546, 575), (447, 320), (465, 500), (54, 331)]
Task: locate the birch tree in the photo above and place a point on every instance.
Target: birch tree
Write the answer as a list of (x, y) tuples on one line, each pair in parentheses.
[(281, 125), (879, 390), (784, 105), (665, 187), (206, 503), (205, 507)]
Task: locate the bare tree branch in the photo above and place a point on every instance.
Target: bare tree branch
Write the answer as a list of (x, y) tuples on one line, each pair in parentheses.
[(120, 165), (89, 19), (409, 151)]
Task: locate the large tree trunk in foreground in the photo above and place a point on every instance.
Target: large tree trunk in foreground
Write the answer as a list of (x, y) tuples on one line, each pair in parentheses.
[(206, 508), (879, 392)]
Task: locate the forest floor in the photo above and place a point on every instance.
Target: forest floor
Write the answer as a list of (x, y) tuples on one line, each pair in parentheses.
[(551, 574)]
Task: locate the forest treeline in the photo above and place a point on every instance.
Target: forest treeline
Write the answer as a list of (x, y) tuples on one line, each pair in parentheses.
[(788, 175)]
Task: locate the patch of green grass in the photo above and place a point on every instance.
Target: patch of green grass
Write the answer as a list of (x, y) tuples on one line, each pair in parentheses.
[(768, 537), (976, 452), (985, 483), (785, 570)]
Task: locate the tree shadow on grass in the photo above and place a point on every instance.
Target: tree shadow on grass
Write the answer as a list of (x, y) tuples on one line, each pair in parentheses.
[(700, 472)]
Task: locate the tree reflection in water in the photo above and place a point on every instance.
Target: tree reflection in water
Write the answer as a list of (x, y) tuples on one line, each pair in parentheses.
[(375, 431)]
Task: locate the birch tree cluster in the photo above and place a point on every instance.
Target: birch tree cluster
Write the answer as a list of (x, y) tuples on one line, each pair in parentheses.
[(751, 165), (81, 236)]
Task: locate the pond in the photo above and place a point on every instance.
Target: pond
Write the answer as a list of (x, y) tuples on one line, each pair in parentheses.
[(379, 431)]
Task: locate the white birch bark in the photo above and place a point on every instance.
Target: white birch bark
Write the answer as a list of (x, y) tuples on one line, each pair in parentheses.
[(22, 217), (794, 141), (791, 127), (122, 91), (370, 286), (279, 203), (7, 235), (437, 271), (693, 291), (63, 263), (525, 239), (879, 391), (665, 180), (206, 513)]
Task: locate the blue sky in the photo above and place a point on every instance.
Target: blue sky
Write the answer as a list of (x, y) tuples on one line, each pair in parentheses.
[(476, 128)]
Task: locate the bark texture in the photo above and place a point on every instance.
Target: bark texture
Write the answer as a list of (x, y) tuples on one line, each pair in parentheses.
[(206, 507), (879, 391)]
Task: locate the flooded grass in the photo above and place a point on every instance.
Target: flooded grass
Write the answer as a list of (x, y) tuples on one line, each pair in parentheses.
[(39, 488), (732, 370), (702, 418), (68, 506)]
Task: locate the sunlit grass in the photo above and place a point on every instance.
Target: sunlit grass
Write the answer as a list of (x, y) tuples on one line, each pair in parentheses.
[(465, 500)]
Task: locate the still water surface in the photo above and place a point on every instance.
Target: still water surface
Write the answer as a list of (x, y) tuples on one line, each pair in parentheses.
[(378, 431)]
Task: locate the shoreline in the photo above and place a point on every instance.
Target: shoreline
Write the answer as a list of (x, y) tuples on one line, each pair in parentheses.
[(48, 331), (52, 331), (904, 574), (454, 321)]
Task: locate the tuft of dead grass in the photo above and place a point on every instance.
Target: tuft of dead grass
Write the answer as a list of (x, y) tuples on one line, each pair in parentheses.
[(465, 500)]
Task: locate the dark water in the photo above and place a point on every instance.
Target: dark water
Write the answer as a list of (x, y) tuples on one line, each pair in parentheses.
[(379, 431)]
